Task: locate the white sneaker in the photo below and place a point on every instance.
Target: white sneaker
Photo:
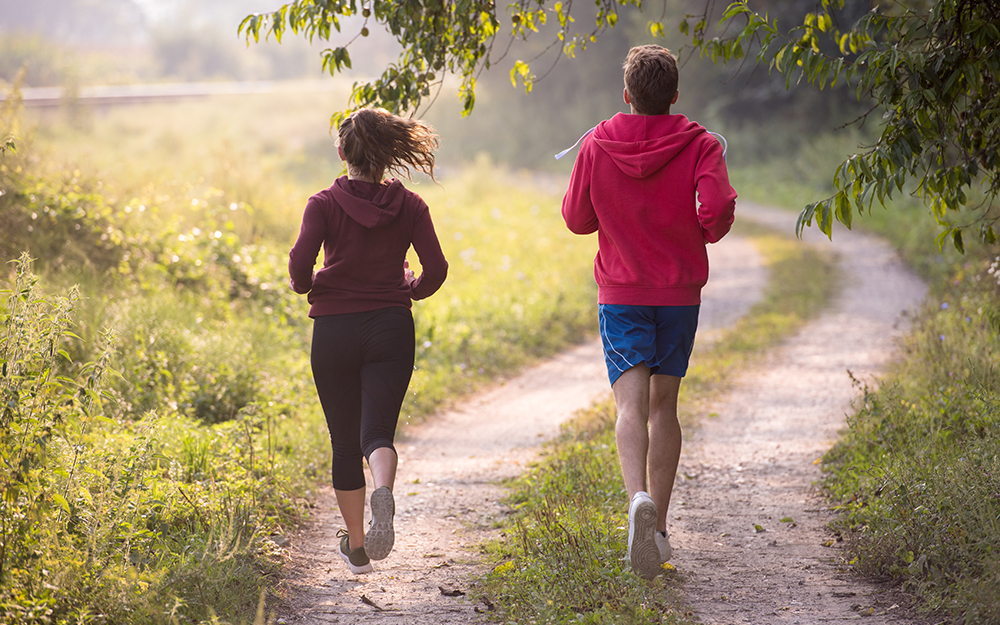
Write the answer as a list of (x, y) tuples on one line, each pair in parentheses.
[(663, 544), (643, 552)]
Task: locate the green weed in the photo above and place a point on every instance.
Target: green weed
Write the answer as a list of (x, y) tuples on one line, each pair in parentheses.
[(918, 473)]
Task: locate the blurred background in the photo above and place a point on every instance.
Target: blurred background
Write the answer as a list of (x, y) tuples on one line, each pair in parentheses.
[(76, 45)]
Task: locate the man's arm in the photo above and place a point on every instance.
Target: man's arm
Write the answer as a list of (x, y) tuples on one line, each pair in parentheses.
[(716, 197), (577, 209)]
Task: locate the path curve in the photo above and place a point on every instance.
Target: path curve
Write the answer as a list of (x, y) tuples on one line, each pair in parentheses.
[(448, 500)]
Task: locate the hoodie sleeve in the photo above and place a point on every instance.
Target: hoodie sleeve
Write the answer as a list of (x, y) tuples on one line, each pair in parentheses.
[(434, 267), (302, 257), (716, 197), (577, 208)]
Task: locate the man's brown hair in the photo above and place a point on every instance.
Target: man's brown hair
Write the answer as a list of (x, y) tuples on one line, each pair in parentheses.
[(651, 79)]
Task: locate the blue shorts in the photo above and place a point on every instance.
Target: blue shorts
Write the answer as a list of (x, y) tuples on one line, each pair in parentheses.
[(662, 337)]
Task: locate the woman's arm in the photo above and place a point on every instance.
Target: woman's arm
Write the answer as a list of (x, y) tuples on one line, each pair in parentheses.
[(302, 257), (432, 260)]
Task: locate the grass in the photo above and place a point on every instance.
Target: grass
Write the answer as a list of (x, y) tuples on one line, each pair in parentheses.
[(175, 433), (916, 475), (561, 556)]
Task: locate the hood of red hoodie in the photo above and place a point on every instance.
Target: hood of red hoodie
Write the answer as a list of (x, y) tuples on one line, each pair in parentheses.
[(640, 145), (368, 203)]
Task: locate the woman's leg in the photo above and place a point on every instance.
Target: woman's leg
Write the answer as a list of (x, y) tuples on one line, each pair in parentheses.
[(383, 463), (388, 355), (336, 365), (388, 344)]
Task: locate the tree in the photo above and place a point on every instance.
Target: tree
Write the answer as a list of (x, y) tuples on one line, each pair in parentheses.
[(931, 68), (933, 71)]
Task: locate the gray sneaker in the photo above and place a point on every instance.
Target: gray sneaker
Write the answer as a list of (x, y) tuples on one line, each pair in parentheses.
[(357, 559), (643, 553), (380, 536)]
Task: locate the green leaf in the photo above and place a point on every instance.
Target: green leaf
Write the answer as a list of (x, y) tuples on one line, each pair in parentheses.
[(844, 212), (61, 502), (805, 218), (956, 238)]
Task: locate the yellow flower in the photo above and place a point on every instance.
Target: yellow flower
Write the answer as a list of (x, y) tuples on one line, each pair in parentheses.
[(504, 567)]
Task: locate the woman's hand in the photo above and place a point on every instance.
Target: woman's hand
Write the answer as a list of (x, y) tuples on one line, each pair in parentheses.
[(408, 274)]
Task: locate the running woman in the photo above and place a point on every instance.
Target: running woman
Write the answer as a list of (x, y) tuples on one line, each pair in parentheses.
[(363, 334)]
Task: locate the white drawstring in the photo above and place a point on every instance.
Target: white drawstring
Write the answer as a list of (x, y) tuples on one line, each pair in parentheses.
[(567, 150)]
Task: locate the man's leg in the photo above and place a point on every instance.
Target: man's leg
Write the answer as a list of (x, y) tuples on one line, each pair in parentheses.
[(664, 442), (632, 435), (631, 392)]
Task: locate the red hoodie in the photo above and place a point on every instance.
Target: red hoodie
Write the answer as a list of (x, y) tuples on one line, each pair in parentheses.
[(635, 183), (365, 230)]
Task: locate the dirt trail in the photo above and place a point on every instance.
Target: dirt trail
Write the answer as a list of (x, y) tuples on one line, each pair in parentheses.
[(751, 465), (755, 464)]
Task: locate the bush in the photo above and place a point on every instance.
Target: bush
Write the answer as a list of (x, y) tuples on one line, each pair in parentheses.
[(133, 519)]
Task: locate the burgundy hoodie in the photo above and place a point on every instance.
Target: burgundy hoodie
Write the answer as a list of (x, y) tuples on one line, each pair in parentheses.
[(365, 230), (656, 190)]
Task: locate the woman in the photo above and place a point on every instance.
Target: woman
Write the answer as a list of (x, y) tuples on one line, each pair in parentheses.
[(363, 336)]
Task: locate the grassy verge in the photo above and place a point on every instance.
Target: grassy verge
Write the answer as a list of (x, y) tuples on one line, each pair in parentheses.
[(917, 473), (561, 555), (159, 432)]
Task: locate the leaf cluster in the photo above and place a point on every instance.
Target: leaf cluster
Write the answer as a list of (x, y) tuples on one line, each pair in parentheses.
[(933, 72), (437, 37)]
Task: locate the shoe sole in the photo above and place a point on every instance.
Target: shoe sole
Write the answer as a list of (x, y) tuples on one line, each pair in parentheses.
[(643, 554), (380, 536)]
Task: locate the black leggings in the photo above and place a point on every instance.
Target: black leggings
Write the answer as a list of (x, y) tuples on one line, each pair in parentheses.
[(361, 363)]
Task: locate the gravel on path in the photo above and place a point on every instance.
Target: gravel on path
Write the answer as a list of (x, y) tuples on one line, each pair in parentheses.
[(748, 522), (753, 464), (447, 495)]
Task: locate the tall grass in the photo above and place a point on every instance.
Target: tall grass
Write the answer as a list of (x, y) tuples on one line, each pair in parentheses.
[(115, 519), (168, 468), (916, 474)]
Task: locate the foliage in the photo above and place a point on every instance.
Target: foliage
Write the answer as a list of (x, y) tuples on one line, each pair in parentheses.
[(918, 473), (436, 37), (933, 71), (560, 558), (28, 59), (101, 516)]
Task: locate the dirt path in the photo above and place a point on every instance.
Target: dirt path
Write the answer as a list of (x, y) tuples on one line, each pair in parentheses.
[(752, 462), (755, 464)]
